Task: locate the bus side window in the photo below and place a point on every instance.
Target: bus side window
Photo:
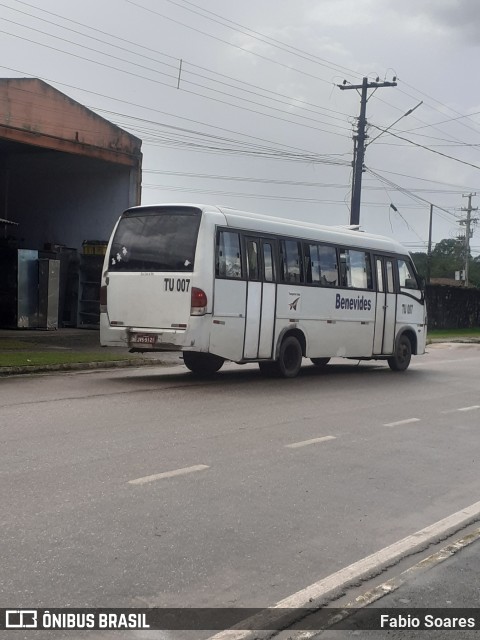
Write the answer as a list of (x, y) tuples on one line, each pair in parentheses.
[(328, 266), (312, 264), (379, 275), (253, 266), (228, 259), (291, 261), (406, 275), (268, 264), (356, 269), (390, 280)]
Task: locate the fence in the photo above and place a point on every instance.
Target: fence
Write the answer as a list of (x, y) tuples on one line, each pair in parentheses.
[(452, 307)]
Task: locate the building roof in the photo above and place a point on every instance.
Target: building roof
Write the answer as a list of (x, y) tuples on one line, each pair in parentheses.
[(34, 113)]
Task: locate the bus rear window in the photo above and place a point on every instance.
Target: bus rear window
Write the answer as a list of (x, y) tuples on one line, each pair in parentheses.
[(155, 240)]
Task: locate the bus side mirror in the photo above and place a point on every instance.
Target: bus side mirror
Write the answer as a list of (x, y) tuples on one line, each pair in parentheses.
[(410, 283)]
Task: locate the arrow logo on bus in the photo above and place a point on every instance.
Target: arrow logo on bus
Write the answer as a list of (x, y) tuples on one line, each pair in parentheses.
[(293, 305)]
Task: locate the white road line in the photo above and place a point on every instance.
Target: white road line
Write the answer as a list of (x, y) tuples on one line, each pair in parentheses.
[(378, 592), (169, 474), (315, 594), (400, 422), (472, 408), (305, 443)]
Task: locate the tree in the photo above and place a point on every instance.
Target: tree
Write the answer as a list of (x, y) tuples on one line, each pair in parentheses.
[(447, 257)]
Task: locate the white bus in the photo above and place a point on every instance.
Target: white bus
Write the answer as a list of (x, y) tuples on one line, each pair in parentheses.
[(220, 284)]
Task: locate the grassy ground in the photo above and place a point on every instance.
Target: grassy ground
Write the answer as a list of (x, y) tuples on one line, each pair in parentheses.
[(33, 352), (454, 334), (31, 358)]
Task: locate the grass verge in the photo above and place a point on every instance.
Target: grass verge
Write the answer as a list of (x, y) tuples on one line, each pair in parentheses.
[(453, 334), (35, 358)]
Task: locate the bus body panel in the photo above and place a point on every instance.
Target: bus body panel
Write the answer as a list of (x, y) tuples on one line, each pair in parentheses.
[(228, 320), (149, 300), (267, 320), (338, 322)]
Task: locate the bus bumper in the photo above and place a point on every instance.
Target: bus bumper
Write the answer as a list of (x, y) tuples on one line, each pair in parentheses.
[(147, 339)]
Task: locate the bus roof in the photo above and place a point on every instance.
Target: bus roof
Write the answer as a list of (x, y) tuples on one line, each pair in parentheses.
[(263, 223)]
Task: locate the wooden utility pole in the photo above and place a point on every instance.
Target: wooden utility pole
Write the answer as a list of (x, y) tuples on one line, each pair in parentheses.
[(429, 250), (468, 230), (359, 142)]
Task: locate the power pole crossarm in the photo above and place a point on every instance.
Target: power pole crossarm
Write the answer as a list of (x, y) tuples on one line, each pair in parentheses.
[(359, 142)]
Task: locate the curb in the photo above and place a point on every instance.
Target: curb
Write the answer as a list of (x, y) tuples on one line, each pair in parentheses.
[(80, 366)]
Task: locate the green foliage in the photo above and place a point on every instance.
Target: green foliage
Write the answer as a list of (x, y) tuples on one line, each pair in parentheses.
[(447, 257)]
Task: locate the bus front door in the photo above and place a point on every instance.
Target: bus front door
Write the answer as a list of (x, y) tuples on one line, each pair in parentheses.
[(261, 298), (385, 314)]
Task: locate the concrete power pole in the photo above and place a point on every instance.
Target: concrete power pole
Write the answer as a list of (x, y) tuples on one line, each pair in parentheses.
[(468, 222), (359, 142)]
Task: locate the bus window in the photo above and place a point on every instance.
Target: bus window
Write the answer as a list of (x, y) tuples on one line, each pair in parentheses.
[(253, 266), (328, 266), (390, 280), (155, 240), (406, 275), (291, 261), (322, 265), (228, 255), (379, 276), (268, 265), (355, 269)]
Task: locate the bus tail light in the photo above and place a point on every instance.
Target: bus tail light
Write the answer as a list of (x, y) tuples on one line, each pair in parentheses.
[(198, 302), (103, 299)]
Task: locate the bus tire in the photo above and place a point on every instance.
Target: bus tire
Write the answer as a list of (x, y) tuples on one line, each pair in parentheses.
[(320, 362), (202, 364), (402, 356), (289, 358)]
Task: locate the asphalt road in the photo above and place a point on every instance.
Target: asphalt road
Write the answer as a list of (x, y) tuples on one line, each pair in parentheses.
[(377, 456)]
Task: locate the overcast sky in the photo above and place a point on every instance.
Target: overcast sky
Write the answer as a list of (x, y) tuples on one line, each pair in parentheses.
[(256, 120)]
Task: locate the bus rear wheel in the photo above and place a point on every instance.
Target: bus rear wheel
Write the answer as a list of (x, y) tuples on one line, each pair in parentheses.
[(289, 358), (320, 362), (402, 356), (202, 364)]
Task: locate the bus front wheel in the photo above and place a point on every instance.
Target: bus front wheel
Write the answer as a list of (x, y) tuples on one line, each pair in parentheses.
[(202, 364), (289, 358), (402, 356)]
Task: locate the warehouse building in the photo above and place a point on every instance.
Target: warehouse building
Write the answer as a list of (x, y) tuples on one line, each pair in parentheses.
[(65, 176)]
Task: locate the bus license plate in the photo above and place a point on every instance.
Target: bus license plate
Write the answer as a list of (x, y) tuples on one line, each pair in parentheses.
[(144, 338)]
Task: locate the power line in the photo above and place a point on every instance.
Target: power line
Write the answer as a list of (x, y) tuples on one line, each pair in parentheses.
[(230, 44), (305, 55), (408, 193), (171, 86), (421, 146), (308, 156), (157, 52), (298, 103)]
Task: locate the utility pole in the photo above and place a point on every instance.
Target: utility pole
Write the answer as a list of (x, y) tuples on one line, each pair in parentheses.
[(359, 141), (468, 221), (429, 250)]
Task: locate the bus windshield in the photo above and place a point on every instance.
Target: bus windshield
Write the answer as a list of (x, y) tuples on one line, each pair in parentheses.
[(150, 239)]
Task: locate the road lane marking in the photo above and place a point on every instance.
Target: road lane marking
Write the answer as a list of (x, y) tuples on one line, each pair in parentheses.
[(305, 443), (315, 594), (169, 474), (400, 422), (472, 408)]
